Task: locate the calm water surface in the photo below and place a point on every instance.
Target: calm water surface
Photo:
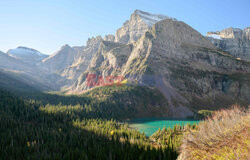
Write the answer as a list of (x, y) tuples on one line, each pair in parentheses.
[(151, 125)]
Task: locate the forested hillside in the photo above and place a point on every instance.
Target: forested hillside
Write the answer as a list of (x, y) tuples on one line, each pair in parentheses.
[(29, 130)]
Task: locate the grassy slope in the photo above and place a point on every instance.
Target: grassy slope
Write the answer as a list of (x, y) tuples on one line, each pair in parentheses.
[(223, 136)]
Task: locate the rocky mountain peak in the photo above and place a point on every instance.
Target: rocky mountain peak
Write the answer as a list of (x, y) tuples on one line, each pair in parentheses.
[(66, 46), (26, 48), (233, 40), (148, 18), (93, 40), (178, 33), (109, 37), (82, 58), (60, 59), (137, 25), (231, 32)]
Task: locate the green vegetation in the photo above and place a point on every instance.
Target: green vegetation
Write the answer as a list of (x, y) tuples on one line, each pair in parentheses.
[(31, 130), (117, 102), (54, 126), (223, 136), (171, 137), (17, 83), (203, 114)]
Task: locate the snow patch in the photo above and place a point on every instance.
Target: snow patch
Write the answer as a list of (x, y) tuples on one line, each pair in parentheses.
[(23, 51), (151, 19), (215, 36)]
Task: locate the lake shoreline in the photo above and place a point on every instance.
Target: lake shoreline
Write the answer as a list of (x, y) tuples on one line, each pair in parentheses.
[(150, 125)]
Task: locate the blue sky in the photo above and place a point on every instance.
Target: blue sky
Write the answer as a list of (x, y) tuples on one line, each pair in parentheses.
[(46, 25)]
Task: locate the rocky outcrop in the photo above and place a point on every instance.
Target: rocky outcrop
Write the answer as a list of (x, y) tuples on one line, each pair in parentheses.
[(234, 41), (108, 60), (80, 64), (109, 37)]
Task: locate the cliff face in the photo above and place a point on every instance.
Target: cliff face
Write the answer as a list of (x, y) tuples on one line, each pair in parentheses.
[(185, 66), (130, 32), (192, 72), (233, 40), (83, 59)]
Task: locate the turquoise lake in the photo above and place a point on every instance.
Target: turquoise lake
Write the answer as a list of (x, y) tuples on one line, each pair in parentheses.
[(151, 125)]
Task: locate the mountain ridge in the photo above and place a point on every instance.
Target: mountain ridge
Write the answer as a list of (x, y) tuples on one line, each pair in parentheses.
[(233, 40), (186, 67), (173, 41)]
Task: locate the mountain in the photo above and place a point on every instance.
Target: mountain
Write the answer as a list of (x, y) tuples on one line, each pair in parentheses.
[(131, 31), (136, 26), (185, 66), (46, 70), (158, 53), (31, 72), (81, 62), (60, 59), (17, 75), (14, 63), (234, 41), (27, 55)]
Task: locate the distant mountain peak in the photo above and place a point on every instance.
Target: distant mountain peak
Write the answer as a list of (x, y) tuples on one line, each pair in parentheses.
[(26, 48), (235, 41), (66, 46), (229, 33), (26, 54), (23, 50)]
